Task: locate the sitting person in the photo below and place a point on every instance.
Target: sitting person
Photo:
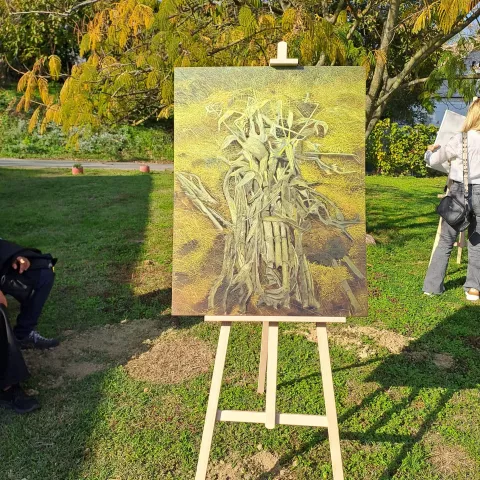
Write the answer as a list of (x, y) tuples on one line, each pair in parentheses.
[(13, 370), (36, 270)]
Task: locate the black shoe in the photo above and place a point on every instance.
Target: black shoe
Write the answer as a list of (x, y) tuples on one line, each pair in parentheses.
[(36, 341), (17, 400)]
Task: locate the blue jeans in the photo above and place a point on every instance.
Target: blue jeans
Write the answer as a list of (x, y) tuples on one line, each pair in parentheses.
[(436, 271), (31, 310)]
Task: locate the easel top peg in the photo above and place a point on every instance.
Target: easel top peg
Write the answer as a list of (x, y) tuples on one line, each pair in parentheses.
[(282, 60)]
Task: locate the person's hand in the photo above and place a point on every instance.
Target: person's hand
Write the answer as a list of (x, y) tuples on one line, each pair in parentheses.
[(21, 264), (3, 300), (432, 148)]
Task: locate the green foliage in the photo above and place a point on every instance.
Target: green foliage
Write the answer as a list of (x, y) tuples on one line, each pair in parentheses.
[(393, 149), (131, 48), (152, 143), (25, 38)]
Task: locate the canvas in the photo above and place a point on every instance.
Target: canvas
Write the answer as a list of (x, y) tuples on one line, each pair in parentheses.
[(269, 215)]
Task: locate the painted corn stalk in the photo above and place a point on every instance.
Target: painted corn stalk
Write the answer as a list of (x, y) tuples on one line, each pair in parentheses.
[(264, 206)]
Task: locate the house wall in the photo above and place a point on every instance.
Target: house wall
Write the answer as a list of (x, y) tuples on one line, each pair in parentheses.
[(456, 103)]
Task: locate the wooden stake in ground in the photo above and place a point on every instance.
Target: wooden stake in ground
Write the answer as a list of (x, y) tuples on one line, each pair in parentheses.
[(268, 368)]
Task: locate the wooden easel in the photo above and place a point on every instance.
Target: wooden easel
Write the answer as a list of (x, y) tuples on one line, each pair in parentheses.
[(268, 369), (460, 244)]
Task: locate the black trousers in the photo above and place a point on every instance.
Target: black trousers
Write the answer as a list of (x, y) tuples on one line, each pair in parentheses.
[(13, 369), (31, 310)]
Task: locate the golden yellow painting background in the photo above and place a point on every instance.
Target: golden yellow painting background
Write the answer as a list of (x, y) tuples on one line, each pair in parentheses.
[(201, 96)]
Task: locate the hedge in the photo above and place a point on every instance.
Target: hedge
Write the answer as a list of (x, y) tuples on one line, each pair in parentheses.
[(393, 149)]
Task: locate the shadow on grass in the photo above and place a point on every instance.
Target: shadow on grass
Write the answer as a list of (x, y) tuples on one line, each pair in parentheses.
[(409, 416), (396, 220), (96, 225)]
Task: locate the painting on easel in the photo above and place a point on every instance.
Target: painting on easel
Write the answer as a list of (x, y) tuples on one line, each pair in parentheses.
[(269, 214)]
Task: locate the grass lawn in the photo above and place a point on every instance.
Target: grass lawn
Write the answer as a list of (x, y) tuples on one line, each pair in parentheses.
[(406, 377)]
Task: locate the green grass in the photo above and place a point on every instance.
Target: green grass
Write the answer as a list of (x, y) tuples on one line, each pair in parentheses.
[(112, 232)]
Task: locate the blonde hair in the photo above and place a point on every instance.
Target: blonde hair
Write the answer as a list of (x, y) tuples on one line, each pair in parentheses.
[(472, 122)]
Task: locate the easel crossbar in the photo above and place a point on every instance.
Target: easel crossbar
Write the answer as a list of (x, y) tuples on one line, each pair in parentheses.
[(280, 418)]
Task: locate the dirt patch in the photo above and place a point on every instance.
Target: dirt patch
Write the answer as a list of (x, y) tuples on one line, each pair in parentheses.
[(443, 361), (350, 336), (94, 350), (417, 356), (252, 468), (358, 391), (393, 342), (450, 461), (173, 359), (472, 341), (232, 470), (266, 460)]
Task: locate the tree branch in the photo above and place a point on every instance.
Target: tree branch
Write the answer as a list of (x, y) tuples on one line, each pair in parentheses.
[(358, 16), (333, 18), (66, 13), (387, 36), (422, 54), (226, 47)]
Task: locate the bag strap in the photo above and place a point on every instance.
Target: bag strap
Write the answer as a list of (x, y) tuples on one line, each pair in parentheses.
[(465, 166)]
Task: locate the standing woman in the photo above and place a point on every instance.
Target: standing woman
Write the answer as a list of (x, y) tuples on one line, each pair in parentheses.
[(452, 152)]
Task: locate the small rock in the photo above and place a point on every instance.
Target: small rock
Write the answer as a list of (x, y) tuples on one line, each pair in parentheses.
[(124, 321), (369, 240), (259, 447)]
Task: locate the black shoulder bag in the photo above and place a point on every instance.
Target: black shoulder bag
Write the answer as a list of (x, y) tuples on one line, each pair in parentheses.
[(455, 213)]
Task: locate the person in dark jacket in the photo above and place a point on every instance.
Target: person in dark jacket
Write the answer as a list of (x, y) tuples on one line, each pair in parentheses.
[(13, 370), (36, 270)]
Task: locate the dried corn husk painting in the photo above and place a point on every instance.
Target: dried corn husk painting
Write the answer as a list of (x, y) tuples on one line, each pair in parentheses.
[(269, 192)]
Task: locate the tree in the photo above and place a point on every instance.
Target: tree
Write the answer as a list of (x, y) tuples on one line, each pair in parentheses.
[(132, 47), (43, 31)]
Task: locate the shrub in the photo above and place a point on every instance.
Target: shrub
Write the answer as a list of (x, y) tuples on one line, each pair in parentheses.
[(393, 149), (124, 142)]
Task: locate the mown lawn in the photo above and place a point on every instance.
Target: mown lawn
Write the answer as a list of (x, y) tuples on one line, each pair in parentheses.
[(405, 412)]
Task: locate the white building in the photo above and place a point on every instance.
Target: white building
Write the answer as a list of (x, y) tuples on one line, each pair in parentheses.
[(456, 102)]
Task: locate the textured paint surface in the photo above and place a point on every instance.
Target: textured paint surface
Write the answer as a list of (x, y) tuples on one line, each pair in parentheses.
[(269, 192)]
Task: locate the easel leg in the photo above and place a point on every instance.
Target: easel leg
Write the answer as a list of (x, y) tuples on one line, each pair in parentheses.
[(331, 410), (460, 246), (437, 239), (271, 397), (263, 359), (213, 401)]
